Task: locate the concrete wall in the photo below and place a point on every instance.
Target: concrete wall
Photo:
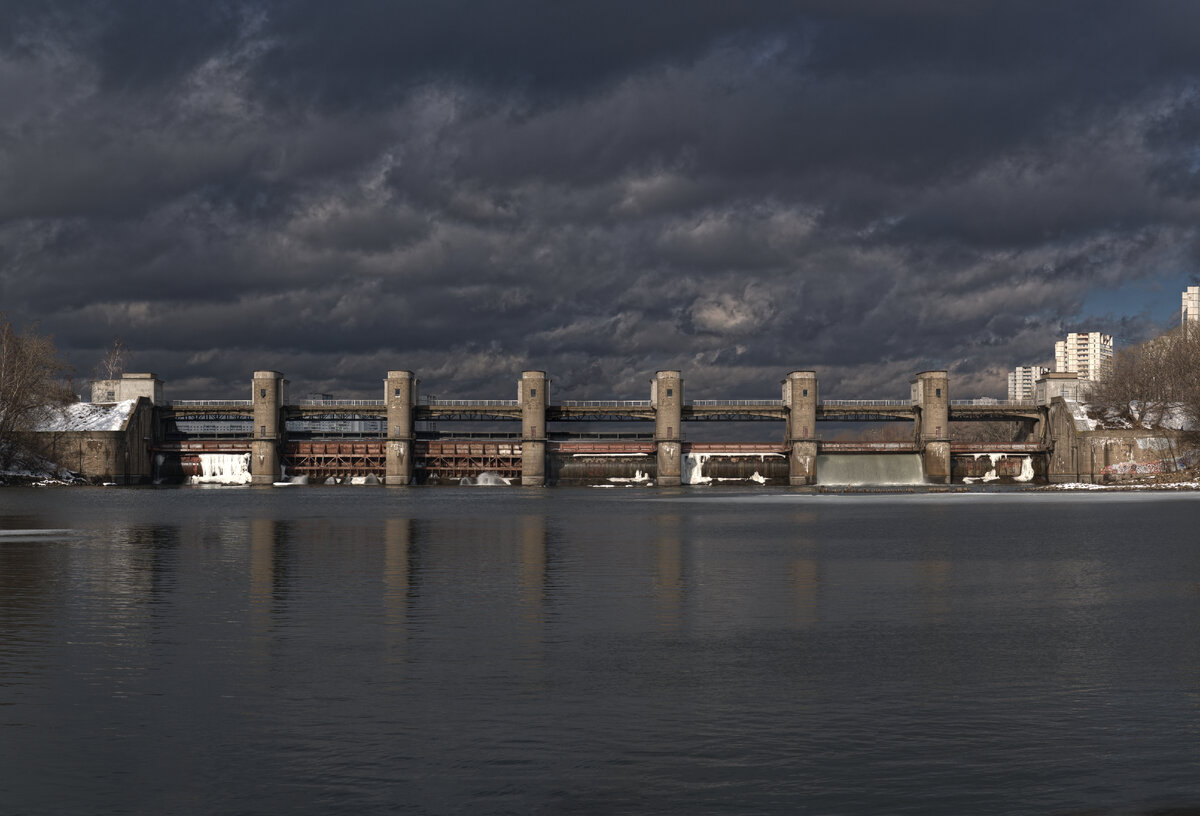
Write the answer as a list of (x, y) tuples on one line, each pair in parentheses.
[(128, 386), (1104, 456), (105, 456)]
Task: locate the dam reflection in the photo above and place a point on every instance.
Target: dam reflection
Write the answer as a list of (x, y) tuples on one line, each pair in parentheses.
[(668, 573)]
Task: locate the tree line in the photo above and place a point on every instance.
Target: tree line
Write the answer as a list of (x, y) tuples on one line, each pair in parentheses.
[(1152, 383), (30, 380)]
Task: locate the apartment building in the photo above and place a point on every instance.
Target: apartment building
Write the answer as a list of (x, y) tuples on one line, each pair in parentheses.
[(1190, 307), (1087, 354), (1021, 382)]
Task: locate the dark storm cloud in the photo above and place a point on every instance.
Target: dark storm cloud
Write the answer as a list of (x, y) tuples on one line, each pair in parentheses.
[(599, 190)]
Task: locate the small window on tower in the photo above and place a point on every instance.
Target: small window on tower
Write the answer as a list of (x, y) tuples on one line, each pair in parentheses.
[(397, 392), (262, 392), (805, 392), (670, 392), (939, 392), (532, 393)]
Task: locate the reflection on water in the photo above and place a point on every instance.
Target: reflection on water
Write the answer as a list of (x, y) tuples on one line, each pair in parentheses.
[(398, 570), (426, 651), (668, 584)]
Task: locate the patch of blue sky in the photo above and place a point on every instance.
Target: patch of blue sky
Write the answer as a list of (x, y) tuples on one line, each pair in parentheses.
[(1155, 296)]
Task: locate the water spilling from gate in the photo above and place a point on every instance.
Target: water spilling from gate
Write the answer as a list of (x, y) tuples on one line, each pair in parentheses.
[(853, 469)]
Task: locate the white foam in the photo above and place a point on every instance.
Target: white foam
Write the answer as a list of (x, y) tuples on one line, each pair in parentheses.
[(223, 468), (485, 479)]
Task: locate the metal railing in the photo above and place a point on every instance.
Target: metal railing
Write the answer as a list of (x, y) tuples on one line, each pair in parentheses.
[(605, 403), (207, 403), (341, 402), (870, 403), (737, 402), (466, 403), (995, 403)]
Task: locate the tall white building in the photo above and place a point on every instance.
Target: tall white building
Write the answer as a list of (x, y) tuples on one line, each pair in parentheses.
[(1088, 354), (1021, 382), (1190, 308)]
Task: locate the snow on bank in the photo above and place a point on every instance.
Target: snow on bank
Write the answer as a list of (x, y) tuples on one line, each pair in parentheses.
[(25, 468), (1122, 487), (86, 416)]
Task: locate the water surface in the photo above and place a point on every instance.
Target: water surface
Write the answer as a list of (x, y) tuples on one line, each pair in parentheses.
[(473, 650)]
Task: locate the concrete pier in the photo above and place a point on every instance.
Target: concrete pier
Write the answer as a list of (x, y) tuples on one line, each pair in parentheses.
[(399, 394), (931, 397), (533, 395), (269, 395), (666, 398), (800, 397)]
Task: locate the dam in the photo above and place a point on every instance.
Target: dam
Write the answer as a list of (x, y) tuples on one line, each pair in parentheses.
[(400, 438)]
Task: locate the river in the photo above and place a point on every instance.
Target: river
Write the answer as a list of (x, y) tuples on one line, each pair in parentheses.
[(205, 650)]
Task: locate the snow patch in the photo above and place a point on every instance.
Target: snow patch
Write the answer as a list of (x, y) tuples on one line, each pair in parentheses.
[(86, 416), (693, 467), (637, 478)]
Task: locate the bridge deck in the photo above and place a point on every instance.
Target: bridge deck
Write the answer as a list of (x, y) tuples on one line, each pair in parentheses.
[(600, 411)]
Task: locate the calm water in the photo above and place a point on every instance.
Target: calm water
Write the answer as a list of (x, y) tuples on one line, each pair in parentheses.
[(480, 651)]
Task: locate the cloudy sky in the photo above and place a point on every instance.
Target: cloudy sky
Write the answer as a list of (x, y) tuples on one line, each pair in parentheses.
[(598, 189)]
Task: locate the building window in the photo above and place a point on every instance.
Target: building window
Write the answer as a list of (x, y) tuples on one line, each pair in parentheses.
[(805, 393), (262, 430), (532, 393), (938, 392), (262, 392), (670, 431), (397, 392), (670, 392)]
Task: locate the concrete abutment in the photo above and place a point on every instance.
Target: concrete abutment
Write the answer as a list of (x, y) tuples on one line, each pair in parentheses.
[(800, 397), (931, 396), (666, 398), (268, 397), (399, 395), (533, 393)]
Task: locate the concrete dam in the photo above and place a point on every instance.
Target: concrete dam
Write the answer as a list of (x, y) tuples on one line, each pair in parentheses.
[(398, 440)]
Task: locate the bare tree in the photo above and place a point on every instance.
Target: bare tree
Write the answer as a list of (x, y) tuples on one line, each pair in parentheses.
[(29, 368), (1152, 381), (112, 365)]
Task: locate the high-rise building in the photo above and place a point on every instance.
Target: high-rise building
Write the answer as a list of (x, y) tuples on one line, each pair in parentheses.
[(1021, 382), (1190, 308), (1088, 354)]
